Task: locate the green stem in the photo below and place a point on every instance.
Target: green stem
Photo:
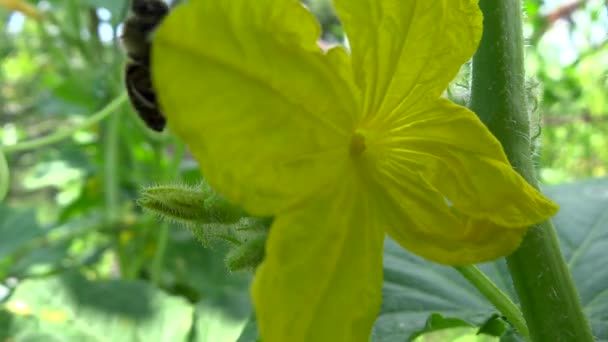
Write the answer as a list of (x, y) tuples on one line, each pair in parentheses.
[(110, 168), (4, 176), (111, 187), (159, 256), (63, 134), (74, 12), (501, 301), (168, 172), (548, 298)]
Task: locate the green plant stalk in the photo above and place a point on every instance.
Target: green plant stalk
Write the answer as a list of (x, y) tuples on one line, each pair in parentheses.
[(499, 299), (74, 16), (63, 134), (169, 173), (4, 177), (159, 257), (163, 234), (548, 298), (111, 185)]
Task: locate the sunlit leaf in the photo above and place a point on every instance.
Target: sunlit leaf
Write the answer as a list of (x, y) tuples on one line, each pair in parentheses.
[(71, 308), (214, 323)]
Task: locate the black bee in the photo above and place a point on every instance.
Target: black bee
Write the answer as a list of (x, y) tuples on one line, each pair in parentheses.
[(144, 17)]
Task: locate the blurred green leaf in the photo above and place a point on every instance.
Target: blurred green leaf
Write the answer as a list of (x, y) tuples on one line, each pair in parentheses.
[(78, 91), (531, 7), (17, 228), (455, 335), (41, 260), (214, 324), (203, 270), (115, 7), (250, 331), (512, 336), (71, 308)]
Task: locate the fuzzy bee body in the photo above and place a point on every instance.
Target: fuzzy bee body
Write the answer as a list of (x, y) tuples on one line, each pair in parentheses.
[(145, 16)]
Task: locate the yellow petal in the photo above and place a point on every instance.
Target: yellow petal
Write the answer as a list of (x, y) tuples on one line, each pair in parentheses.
[(405, 51), (457, 155), (256, 101), (322, 276), (421, 221)]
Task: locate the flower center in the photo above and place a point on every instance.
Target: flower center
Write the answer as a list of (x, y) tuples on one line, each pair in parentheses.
[(357, 144)]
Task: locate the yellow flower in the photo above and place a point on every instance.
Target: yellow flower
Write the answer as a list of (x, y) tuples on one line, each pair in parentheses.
[(340, 150)]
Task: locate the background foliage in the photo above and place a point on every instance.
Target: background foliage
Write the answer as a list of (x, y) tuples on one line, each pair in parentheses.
[(80, 261)]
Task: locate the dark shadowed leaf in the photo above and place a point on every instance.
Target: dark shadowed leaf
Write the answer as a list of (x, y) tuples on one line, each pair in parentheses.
[(17, 228)]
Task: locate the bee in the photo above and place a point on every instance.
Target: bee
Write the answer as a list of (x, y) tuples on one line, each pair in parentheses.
[(136, 38)]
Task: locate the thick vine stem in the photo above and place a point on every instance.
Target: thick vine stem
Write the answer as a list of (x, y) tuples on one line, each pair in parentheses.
[(548, 298)]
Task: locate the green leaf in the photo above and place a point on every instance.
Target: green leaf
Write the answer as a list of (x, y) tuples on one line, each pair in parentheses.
[(494, 326), (41, 259), (415, 289), (512, 336), (250, 331), (17, 228), (75, 93), (203, 271), (437, 322), (71, 308), (214, 323), (461, 334)]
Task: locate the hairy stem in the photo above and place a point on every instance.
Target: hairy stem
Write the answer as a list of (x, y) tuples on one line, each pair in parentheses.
[(548, 298)]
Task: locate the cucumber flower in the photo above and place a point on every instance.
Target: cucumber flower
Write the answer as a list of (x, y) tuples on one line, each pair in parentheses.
[(340, 148)]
